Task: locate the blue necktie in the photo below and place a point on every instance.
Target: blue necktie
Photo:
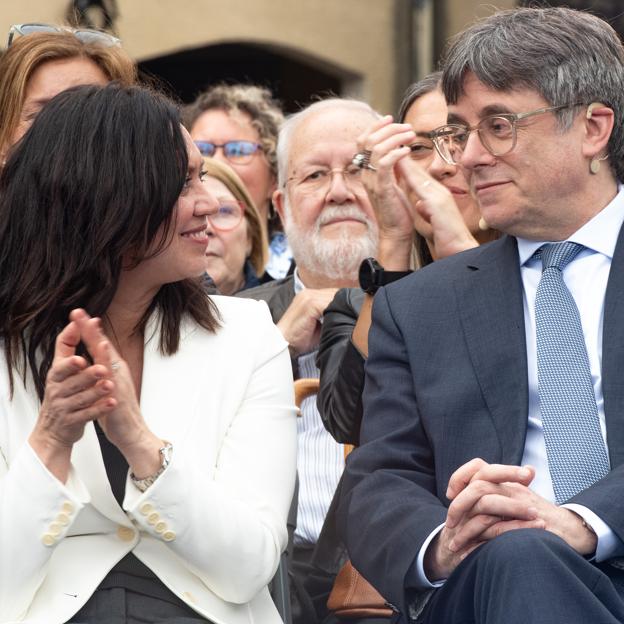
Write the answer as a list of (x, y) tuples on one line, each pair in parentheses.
[(574, 445)]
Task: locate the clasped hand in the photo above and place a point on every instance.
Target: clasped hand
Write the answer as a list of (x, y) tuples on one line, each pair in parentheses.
[(490, 499), (77, 392)]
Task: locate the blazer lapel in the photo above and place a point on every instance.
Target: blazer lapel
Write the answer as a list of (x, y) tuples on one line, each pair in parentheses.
[(491, 310), (613, 355)]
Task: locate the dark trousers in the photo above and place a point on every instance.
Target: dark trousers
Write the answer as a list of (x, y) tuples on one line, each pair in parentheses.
[(528, 576), (122, 606)]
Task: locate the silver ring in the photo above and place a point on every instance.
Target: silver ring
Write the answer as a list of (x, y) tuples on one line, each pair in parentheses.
[(362, 160), (115, 365)]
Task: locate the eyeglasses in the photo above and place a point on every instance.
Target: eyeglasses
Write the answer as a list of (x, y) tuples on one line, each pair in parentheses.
[(498, 134), (320, 179), (239, 152), (86, 35), (423, 146), (228, 216)]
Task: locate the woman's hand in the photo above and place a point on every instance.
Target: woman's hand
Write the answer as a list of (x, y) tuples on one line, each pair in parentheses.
[(123, 425), (437, 206), (75, 393), (389, 143)]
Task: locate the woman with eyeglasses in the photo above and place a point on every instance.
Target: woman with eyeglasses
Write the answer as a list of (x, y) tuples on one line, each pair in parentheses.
[(42, 60), (238, 124), (147, 430), (237, 245)]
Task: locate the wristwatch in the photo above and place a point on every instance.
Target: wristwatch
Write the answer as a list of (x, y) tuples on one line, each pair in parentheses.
[(372, 276), (165, 454)]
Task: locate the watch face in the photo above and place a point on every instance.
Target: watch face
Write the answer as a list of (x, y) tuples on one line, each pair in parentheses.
[(370, 271)]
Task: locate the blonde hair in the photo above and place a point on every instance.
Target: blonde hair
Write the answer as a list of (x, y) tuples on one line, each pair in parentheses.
[(256, 227), (27, 53)]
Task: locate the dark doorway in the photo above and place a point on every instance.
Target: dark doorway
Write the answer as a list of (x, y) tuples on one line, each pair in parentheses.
[(293, 81)]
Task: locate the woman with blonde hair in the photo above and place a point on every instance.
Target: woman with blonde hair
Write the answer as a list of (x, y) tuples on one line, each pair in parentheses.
[(237, 249), (42, 60)]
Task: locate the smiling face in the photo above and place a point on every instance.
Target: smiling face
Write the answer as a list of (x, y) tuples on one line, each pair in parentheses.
[(219, 127), (184, 254), (330, 227), (534, 190), (48, 80), (227, 250), (427, 113)]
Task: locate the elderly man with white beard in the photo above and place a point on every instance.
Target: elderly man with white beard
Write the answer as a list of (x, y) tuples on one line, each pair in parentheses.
[(331, 228)]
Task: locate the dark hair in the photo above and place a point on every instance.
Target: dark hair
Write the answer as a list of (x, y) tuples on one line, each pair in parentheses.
[(88, 187), (564, 55), (425, 85)]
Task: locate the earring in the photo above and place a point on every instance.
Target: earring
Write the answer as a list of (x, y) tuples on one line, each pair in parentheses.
[(483, 225), (594, 165)]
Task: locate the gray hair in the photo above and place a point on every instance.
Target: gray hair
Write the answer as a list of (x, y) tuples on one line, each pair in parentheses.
[(295, 120), (566, 56)]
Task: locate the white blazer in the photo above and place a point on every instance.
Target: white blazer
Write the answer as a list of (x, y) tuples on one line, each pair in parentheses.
[(212, 526)]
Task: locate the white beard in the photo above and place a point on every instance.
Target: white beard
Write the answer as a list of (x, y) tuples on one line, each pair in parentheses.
[(337, 258)]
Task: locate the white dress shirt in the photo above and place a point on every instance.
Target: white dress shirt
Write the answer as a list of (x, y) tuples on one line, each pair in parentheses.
[(586, 278), (320, 459)]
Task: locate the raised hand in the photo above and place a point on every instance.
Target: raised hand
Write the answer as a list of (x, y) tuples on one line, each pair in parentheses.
[(75, 394), (437, 206), (123, 425)]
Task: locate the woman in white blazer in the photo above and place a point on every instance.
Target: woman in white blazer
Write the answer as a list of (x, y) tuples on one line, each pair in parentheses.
[(147, 432)]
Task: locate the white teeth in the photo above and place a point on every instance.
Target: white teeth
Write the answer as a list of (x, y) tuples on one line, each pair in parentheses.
[(200, 234)]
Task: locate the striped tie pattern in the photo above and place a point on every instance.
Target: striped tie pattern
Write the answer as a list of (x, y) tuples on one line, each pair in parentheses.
[(574, 445)]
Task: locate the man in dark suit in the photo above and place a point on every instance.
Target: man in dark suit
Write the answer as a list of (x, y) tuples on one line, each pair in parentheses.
[(489, 486)]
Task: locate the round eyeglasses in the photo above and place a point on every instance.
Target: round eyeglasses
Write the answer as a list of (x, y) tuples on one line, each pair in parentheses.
[(237, 152), (320, 179), (86, 35), (228, 215), (498, 134)]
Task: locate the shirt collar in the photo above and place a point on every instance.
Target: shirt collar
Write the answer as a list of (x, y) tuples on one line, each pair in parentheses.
[(599, 234), (299, 286)]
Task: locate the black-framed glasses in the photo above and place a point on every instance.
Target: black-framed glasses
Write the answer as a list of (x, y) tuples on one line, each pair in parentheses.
[(320, 178), (228, 215), (498, 133), (86, 35), (239, 152)]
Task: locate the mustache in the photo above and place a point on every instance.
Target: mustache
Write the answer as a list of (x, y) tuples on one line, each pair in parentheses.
[(349, 211)]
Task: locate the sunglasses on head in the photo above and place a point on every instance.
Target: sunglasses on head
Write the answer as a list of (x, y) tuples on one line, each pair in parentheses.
[(235, 151), (86, 35)]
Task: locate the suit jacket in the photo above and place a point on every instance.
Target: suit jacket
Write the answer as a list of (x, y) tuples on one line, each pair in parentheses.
[(212, 527), (446, 381)]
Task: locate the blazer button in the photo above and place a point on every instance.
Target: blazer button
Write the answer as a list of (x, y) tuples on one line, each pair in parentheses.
[(169, 536), (146, 509), (48, 539), (160, 527), (62, 519), (55, 529), (67, 508), (125, 534), (153, 518)]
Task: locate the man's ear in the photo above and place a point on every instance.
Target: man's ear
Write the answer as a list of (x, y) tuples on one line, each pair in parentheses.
[(599, 121), (278, 203)]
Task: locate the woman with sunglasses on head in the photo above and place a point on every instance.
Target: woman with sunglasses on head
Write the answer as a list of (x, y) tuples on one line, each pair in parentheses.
[(238, 124), (147, 430), (42, 60), (237, 244)]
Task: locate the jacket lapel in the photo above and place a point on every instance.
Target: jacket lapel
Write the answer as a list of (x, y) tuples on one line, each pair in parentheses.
[(491, 310), (613, 355)]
